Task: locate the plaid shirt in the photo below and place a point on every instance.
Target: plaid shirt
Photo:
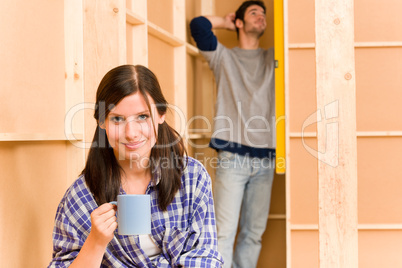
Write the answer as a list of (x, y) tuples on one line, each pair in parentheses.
[(186, 232)]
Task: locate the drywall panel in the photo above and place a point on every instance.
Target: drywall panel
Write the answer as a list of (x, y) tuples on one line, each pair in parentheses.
[(32, 66), (304, 248), (302, 94), (379, 89), (161, 63), (380, 248), (160, 12), (378, 21), (380, 184), (32, 182), (301, 21), (304, 182)]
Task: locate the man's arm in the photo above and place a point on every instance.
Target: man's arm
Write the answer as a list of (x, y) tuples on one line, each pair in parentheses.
[(201, 30)]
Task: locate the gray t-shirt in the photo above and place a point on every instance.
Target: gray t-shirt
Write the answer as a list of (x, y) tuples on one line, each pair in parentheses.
[(245, 106)]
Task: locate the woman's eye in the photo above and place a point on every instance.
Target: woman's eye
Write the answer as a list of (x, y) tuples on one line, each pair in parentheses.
[(117, 119), (143, 117)]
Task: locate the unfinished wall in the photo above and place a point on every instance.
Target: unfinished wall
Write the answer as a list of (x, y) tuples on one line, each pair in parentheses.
[(34, 151), (378, 55)]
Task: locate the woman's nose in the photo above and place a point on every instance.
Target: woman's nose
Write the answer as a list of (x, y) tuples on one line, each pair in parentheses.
[(132, 130)]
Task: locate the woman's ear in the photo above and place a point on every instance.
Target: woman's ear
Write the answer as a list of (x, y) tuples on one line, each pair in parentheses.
[(161, 119), (102, 125)]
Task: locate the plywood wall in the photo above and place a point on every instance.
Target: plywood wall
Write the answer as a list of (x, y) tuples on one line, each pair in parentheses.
[(33, 147)]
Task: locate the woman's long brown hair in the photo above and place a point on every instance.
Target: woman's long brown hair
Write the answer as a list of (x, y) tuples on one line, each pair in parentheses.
[(102, 171)]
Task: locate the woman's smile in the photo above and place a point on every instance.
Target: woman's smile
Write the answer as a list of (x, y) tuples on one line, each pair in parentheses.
[(134, 145)]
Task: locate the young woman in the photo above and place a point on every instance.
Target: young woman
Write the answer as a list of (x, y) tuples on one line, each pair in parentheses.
[(134, 151)]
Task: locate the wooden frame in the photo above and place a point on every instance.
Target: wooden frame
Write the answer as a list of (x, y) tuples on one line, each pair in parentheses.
[(337, 166)]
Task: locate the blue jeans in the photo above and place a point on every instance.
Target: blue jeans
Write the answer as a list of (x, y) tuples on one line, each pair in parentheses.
[(242, 185)]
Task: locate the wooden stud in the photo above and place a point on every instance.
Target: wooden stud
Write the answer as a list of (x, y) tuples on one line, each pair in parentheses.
[(192, 50), (371, 227), (287, 138), (180, 80), (336, 133), (164, 35), (356, 44), (74, 89), (358, 134), (43, 137), (104, 48), (133, 19)]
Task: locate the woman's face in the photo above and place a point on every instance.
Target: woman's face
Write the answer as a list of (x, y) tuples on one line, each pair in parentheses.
[(130, 130)]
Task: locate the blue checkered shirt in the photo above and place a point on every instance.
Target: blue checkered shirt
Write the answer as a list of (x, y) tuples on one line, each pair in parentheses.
[(186, 232)]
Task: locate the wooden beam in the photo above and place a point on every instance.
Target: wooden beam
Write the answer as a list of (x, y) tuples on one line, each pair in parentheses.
[(133, 18), (74, 89), (370, 134), (336, 133), (104, 48), (357, 45), (179, 65), (288, 189), (370, 227), (164, 35), (192, 50), (44, 137)]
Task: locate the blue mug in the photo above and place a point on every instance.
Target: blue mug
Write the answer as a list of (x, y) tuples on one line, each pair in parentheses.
[(133, 214)]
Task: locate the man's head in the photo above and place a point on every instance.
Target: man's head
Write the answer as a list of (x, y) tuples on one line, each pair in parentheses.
[(244, 7)]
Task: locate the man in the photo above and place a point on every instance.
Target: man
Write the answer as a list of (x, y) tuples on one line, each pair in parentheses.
[(243, 129)]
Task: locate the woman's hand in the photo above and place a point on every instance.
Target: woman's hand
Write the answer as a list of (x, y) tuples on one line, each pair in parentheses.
[(103, 220)]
